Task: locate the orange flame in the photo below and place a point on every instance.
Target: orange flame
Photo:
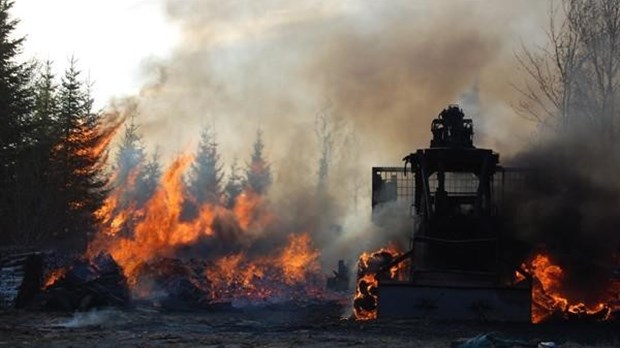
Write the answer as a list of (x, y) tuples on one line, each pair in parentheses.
[(365, 299), (548, 299), (162, 228), (54, 276), (239, 276)]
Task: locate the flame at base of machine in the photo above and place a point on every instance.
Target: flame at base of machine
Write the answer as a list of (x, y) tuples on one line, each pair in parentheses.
[(370, 269), (550, 302)]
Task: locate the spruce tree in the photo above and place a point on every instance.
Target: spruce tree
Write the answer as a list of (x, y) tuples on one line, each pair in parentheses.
[(76, 165), (38, 211), (130, 156), (206, 172), (258, 173), (16, 104), (45, 118), (148, 179), (234, 185)]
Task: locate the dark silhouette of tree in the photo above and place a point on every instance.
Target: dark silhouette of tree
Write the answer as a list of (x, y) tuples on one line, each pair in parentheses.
[(234, 185), (36, 188), (76, 164), (258, 172), (16, 106), (45, 118), (205, 175)]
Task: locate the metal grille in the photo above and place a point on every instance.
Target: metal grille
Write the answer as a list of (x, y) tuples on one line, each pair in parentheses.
[(456, 183), (508, 180), (396, 185), (396, 182)]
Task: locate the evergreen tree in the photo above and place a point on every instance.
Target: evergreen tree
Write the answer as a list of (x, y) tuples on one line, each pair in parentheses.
[(38, 216), (234, 186), (16, 104), (206, 172), (258, 173), (148, 179), (76, 165), (130, 156), (45, 118), (137, 176)]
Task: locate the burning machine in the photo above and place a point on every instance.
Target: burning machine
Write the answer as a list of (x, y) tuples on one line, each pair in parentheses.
[(457, 267)]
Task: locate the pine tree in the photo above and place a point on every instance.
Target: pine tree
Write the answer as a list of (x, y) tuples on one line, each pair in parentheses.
[(234, 186), (206, 172), (16, 104), (258, 173)]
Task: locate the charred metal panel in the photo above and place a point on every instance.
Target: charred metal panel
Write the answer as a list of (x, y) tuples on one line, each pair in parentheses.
[(405, 300)]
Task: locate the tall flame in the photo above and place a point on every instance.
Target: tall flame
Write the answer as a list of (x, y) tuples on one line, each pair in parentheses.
[(162, 227)]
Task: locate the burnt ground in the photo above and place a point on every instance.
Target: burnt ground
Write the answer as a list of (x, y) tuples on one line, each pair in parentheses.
[(272, 326)]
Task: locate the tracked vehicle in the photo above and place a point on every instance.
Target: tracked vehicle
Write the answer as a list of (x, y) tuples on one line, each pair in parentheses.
[(459, 266)]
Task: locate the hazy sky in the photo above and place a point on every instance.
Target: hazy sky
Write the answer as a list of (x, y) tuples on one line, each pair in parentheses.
[(109, 38), (238, 64)]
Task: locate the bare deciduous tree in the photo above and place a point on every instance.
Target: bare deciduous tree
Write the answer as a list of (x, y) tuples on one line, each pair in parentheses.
[(574, 80), (324, 133)]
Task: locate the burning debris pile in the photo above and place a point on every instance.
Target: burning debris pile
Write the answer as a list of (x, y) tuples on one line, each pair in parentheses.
[(175, 249)]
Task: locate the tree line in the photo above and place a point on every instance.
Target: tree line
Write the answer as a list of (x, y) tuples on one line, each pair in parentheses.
[(136, 175), (51, 176), (53, 155)]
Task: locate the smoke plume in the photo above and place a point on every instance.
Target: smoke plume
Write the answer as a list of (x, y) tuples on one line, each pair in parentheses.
[(569, 206), (382, 70)]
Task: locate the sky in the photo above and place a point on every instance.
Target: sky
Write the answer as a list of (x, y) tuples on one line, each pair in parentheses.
[(110, 39), (239, 64)]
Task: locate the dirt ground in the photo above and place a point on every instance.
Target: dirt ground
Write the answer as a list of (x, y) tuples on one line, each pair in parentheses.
[(271, 326)]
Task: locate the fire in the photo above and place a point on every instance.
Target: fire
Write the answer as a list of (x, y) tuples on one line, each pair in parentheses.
[(162, 228), (298, 259), (239, 276), (369, 264), (248, 210), (54, 276), (548, 299), (243, 258)]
